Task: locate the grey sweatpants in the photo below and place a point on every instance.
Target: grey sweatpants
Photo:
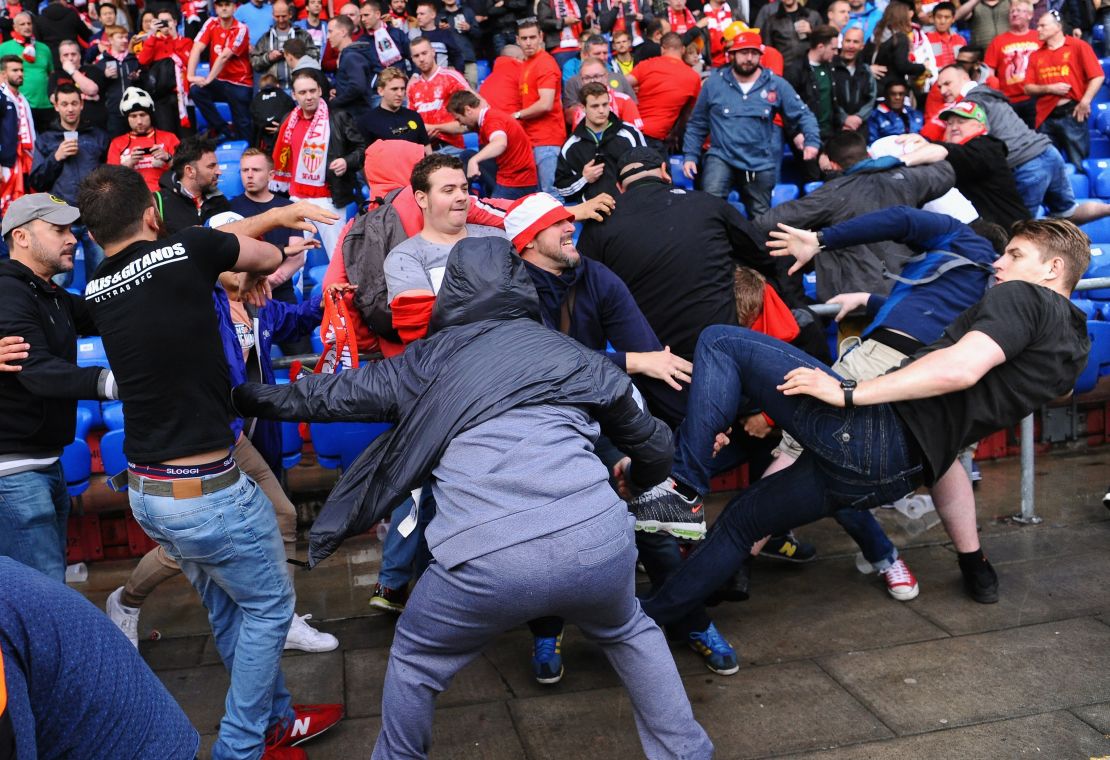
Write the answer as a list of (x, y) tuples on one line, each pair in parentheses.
[(585, 574)]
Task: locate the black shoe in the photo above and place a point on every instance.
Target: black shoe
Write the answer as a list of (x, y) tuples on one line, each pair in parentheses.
[(389, 599), (663, 508), (981, 583), (736, 588), (788, 547)]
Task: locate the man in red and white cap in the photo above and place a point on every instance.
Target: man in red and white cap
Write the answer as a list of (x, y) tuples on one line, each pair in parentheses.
[(584, 299)]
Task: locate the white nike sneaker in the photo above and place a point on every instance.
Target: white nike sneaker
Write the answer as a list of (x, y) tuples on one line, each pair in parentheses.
[(126, 618), (304, 637)]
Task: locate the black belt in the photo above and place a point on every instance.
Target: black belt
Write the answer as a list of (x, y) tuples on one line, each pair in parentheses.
[(183, 488), (899, 342)]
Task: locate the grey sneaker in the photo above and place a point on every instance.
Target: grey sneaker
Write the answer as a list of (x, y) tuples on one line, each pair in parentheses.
[(126, 618), (662, 508)]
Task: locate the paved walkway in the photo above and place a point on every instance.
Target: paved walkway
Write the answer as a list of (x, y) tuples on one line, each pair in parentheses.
[(832, 667)]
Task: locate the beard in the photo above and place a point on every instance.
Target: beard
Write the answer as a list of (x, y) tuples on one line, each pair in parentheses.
[(56, 263), (744, 69)]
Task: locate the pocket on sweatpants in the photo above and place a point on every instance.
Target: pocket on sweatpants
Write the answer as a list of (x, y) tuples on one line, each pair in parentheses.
[(606, 551), (209, 542)]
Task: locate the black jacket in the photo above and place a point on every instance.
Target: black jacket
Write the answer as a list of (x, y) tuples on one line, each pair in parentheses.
[(39, 404), (59, 22), (179, 210), (853, 93), (582, 147), (801, 77), (487, 353), (346, 142)]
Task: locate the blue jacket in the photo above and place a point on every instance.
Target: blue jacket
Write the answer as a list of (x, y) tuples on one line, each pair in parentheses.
[(48, 175), (883, 122), (743, 126), (925, 309), (275, 322), (866, 19), (604, 310), (9, 131)]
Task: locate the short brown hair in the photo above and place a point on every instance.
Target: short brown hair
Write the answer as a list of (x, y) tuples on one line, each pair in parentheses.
[(427, 166), (389, 73), (462, 100), (113, 29), (747, 291), (1058, 237), (250, 152), (591, 89)]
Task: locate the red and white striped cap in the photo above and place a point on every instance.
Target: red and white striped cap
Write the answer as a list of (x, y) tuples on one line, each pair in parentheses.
[(531, 215)]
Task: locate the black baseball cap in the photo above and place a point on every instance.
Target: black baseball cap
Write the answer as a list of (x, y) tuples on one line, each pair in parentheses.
[(638, 160)]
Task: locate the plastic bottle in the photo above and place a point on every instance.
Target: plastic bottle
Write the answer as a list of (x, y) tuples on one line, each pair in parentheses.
[(78, 573)]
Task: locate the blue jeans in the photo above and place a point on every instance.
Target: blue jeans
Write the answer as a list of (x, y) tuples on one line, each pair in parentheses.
[(1071, 137), (229, 547), (406, 557), (1042, 179), (512, 193), (865, 530), (34, 508), (719, 178), (547, 156), (237, 96), (859, 458), (585, 574)]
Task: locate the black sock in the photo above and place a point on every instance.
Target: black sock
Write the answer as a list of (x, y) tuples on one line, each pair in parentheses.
[(971, 562)]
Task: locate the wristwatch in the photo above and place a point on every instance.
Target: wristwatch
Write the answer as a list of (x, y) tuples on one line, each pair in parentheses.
[(848, 386), (821, 240)]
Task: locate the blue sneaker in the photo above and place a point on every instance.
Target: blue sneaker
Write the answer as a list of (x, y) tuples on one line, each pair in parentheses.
[(718, 654), (547, 659)]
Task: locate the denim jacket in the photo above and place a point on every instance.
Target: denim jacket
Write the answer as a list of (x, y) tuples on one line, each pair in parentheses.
[(742, 127)]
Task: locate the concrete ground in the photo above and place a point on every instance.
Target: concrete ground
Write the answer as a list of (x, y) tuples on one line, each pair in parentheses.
[(832, 667)]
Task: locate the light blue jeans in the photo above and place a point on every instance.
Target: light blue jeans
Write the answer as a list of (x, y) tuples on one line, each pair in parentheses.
[(230, 549), (34, 508), (1043, 180), (547, 156)]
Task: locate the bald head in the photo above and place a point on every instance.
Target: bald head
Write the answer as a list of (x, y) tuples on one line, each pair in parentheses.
[(512, 51)]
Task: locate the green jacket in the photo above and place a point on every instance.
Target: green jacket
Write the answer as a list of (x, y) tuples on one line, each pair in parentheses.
[(35, 75)]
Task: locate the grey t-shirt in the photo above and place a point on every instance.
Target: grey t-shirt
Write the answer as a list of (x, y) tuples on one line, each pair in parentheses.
[(418, 264)]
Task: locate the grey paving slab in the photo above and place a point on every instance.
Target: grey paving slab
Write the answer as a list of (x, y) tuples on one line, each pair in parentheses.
[(1057, 735), (167, 654), (971, 679), (1031, 591), (787, 707), (1097, 716), (470, 732), (799, 611), (365, 673), (1048, 539)]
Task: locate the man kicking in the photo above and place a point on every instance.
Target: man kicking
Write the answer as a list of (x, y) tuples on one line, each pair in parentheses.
[(871, 442), (503, 414)]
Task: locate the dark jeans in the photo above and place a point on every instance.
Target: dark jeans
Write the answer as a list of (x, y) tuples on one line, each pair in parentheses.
[(1072, 137), (507, 193), (858, 458), (755, 188), (235, 95)]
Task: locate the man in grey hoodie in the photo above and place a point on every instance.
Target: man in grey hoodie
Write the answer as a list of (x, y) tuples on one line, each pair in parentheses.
[(1037, 165), (504, 413)]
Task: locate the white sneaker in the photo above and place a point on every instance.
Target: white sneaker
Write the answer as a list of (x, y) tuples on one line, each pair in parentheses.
[(126, 618), (304, 637)]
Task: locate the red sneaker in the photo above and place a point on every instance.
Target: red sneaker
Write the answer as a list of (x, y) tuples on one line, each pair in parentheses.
[(900, 582), (309, 721), (284, 753)]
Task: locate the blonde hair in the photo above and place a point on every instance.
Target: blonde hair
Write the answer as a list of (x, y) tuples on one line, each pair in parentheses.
[(389, 73)]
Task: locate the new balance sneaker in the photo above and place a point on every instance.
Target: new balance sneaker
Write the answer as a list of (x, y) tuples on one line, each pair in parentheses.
[(284, 753), (718, 654), (900, 582), (788, 547), (981, 582), (547, 659), (304, 637), (309, 721), (389, 599), (126, 618), (663, 508)]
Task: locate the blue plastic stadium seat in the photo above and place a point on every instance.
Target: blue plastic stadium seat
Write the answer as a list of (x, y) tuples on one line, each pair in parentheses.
[(338, 444), (316, 257), (84, 422), (1100, 147), (1080, 185), (470, 140), (1098, 361), (113, 414), (230, 152), (1092, 309), (231, 184), (317, 344), (484, 69), (1100, 267), (111, 453), (1098, 231), (291, 444), (1093, 167), (809, 284), (77, 467), (811, 186), (89, 410), (1100, 118), (678, 178), (316, 274), (783, 194), (1098, 250), (739, 206), (1069, 168)]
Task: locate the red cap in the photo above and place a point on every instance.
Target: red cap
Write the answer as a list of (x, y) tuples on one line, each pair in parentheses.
[(746, 41)]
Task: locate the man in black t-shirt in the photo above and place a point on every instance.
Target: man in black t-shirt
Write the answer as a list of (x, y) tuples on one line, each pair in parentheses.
[(979, 160), (872, 442), (391, 120), (151, 299)]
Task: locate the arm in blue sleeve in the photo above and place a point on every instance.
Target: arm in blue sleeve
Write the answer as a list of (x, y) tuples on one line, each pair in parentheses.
[(697, 127), (622, 322), (920, 229), (874, 304), (291, 321)]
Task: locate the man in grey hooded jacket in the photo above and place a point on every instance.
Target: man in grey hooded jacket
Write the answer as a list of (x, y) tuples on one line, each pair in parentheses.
[(503, 413)]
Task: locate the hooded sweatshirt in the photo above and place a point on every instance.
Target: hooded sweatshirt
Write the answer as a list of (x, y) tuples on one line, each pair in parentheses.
[(1023, 143)]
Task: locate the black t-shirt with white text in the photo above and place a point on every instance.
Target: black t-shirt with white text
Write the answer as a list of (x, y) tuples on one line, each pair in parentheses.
[(152, 302), (1044, 338), (402, 124)]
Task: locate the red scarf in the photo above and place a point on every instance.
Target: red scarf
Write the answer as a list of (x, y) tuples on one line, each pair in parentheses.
[(680, 23), (310, 157), (28, 44)]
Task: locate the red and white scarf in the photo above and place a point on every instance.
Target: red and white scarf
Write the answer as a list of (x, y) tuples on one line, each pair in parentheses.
[(568, 35), (15, 185), (28, 44), (680, 22), (312, 156), (388, 53)]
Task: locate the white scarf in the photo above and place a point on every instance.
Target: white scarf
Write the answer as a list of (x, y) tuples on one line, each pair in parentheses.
[(312, 155), (388, 53)]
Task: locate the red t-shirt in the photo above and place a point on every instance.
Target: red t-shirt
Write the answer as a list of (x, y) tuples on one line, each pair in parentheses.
[(1073, 62), (516, 167), (1008, 55), (502, 87), (540, 72), (666, 85), (238, 68), (126, 144), (945, 47), (428, 97)]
